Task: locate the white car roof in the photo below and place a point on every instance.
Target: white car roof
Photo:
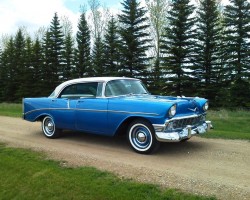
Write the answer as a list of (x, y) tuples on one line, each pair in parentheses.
[(84, 80)]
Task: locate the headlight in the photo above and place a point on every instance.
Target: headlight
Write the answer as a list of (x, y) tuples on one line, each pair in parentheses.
[(205, 107), (172, 111)]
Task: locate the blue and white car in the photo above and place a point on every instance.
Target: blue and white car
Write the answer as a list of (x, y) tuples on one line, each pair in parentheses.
[(112, 105)]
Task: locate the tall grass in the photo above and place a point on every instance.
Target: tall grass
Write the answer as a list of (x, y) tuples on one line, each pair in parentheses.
[(27, 175), (11, 109), (230, 124)]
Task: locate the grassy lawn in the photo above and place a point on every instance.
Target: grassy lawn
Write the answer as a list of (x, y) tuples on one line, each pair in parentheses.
[(29, 175), (229, 124), (11, 109)]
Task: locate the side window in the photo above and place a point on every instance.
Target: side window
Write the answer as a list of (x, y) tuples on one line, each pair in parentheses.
[(80, 90)]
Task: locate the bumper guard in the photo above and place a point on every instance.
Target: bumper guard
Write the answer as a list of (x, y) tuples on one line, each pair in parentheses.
[(183, 134)]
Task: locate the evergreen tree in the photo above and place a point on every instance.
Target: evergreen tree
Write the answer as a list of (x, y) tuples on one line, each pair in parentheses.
[(111, 48), (26, 84), (20, 67), (53, 46), (82, 54), (37, 63), (134, 39), (237, 22), (69, 49), (98, 57), (208, 64), (9, 87), (178, 48), (1, 74), (48, 72), (69, 57)]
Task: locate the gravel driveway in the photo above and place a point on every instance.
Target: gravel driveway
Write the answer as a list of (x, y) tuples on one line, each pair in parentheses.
[(201, 166)]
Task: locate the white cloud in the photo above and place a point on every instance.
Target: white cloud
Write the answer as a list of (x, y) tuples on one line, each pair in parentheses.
[(32, 14)]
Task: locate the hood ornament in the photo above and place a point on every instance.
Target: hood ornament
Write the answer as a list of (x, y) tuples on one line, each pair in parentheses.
[(194, 110)]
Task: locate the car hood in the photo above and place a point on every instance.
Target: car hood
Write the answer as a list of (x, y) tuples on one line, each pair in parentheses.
[(187, 105)]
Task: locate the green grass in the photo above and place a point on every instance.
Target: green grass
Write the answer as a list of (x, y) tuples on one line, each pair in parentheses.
[(28, 175), (229, 124), (11, 109)]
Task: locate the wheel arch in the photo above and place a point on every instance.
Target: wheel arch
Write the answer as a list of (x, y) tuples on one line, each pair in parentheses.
[(42, 116), (122, 129)]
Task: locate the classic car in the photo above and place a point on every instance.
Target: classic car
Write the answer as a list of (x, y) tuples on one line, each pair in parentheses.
[(112, 105)]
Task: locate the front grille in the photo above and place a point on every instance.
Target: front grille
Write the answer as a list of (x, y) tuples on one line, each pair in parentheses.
[(181, 123)]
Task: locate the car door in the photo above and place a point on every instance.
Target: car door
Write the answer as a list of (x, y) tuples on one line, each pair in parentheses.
[(91, 109), (62, 111)]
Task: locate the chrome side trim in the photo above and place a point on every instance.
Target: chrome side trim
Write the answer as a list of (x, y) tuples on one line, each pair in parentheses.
[(138, 113), (94, 110), (35, 110)]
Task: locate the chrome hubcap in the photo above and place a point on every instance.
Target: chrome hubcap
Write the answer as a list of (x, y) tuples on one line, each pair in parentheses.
[(50, 126), (141, 137)]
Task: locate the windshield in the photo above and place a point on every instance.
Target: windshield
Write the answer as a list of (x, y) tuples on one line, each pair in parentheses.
[(124, 87)]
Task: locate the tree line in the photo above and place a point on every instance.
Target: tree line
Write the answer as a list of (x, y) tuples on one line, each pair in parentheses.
[(173, 46)]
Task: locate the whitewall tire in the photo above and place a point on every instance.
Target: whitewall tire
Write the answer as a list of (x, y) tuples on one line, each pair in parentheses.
[(49, 128), (141, 137)]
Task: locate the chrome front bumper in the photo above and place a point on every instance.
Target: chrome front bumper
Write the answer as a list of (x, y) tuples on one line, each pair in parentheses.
[(183, 134)]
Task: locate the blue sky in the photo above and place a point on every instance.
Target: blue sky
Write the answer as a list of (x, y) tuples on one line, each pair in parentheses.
[(75, 4), (33, 14)]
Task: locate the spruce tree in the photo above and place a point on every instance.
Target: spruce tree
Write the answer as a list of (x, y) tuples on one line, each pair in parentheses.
[(54, 45), (134, 39), (98, 57), (82, 53), (20, 67), (178, 48), (9, 74), (111, 48), (2, 74), (208, 47), (37, 60), (48, 71), (69, 57), (237, 22), (27, 83)]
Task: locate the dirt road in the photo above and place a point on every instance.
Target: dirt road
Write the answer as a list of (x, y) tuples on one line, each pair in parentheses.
[(201, 166)]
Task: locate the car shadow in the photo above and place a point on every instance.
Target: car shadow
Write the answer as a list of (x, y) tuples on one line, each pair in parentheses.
[(120, 142)]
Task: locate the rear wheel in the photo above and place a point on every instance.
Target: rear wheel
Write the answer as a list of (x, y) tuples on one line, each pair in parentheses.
[(141, 137), (49, 128)]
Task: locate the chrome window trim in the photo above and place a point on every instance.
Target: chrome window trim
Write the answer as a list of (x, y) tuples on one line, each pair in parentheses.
[(60, 87)]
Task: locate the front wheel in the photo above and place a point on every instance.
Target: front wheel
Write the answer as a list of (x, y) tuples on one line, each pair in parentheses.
[(49, 128), (141, 136)]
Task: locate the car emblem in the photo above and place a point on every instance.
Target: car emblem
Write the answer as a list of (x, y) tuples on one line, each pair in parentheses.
[(192, 109)]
